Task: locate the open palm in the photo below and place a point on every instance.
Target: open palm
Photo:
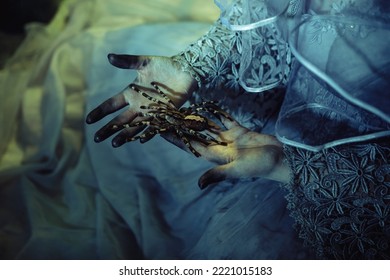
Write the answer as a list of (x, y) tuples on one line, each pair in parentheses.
[(247, 154), (161, 70)]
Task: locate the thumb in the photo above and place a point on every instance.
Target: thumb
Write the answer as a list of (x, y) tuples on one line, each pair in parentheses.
[(127, 61), (215, 175)]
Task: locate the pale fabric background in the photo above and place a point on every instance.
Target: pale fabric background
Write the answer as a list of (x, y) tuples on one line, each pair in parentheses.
[(62, 196)]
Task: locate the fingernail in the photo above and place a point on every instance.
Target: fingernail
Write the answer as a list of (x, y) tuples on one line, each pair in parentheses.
[(96, 139)]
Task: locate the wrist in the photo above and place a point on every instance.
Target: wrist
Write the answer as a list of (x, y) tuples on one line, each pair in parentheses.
[(280, 169), (274, 163), (186, 67), (281, 172)]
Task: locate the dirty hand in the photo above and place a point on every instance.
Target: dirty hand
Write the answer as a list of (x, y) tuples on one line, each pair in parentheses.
[(247, 154), (157, 69)]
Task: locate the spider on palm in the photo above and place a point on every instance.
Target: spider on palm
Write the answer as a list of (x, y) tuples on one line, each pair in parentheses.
[(186, 122)]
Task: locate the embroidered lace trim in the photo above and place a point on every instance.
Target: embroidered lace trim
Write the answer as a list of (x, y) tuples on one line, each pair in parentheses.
[(216, 59), (340, 199)]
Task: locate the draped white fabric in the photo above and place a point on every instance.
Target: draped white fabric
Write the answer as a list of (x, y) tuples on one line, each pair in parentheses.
[(64, 196)]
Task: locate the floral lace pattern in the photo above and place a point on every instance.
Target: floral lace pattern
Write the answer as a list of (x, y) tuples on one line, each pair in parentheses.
[(210, 60), (217, 59), (340, 198), (214, 61)]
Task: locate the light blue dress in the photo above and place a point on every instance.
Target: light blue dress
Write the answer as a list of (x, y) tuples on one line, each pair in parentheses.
[(331, 58)]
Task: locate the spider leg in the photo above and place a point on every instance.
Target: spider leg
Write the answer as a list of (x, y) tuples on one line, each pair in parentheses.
[(163, 94), (150, 114), (149, 133), (155, 111), (154, 107), (144, 94), (205, 138), (211, 138), (211, 107), (140, 123), (146, 136), (187, 143)]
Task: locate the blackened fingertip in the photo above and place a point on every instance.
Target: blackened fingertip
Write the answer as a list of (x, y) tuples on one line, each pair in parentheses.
[(115, 144), (111, 57), (211, 177), (202, 185), (88, 119)]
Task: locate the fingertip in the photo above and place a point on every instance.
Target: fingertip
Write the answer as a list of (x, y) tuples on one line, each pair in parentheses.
[(97, 139), (90, 118), (228, 121), (202, 184), (118, 141), (212, 176), (95, 115), (111, 57)]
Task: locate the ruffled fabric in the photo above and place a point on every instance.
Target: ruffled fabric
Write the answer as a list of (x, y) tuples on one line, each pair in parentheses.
[(330, 56)]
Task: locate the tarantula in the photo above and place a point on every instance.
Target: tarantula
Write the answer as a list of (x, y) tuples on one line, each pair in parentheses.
[(185, 122)]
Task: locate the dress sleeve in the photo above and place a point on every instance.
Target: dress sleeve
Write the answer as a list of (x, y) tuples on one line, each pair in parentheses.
[(213, 59), (256, 60), (340, 199)]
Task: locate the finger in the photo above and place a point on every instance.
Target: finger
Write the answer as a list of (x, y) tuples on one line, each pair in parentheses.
[(109, 106), (233, 134), (228, 121), (170, 137), (117, 124), (215, 175), (149, 133), (126, 135), (178, 142), (127, 61)]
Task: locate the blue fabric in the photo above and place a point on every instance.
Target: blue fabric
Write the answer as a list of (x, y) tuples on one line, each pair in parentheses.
[(340, 74)]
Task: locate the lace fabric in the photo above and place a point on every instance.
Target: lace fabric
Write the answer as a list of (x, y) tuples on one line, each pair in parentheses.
[(331, 58), (340, 46), (221, 58), (215, 61), (340, 198)]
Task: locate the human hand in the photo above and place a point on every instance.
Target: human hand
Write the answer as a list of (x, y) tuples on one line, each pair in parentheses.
[(157, 69), (247, 154)]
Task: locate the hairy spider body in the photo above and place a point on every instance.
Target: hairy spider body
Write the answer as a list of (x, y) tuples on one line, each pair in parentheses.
[(186, 123), (196, 122)]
